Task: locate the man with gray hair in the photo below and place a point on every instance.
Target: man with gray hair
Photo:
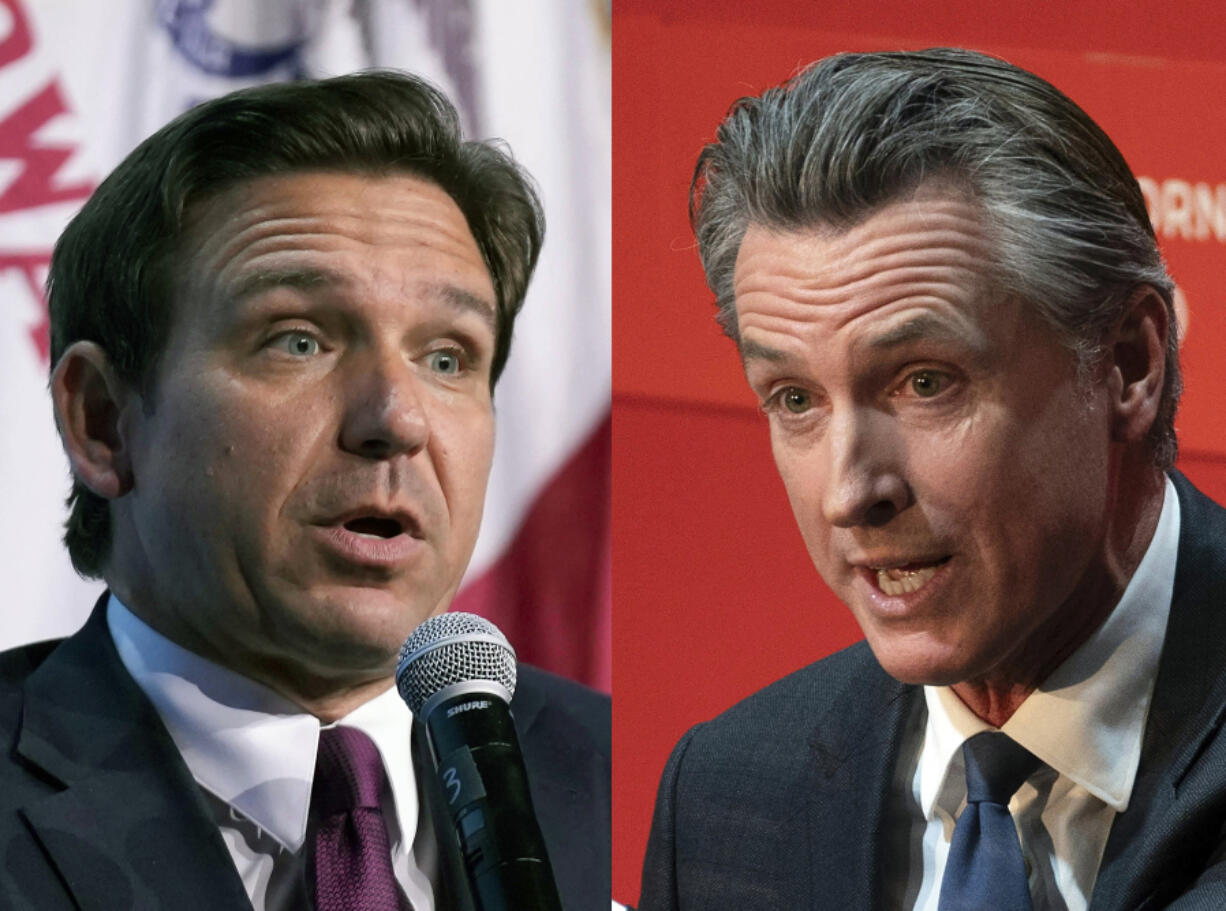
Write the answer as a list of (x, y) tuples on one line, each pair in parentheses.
[(947, 295)]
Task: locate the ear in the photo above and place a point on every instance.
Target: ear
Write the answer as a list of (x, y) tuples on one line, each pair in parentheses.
[(90, 401), (1137, 364)]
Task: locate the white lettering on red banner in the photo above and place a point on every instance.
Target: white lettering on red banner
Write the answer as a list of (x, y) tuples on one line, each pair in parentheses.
[(1187, 210)]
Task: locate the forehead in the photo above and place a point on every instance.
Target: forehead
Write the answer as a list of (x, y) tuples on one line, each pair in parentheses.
[(918, 266), (378, 226)]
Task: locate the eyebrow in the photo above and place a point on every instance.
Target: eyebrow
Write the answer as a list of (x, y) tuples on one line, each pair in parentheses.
[(464, 300), (304, 279), (751, 350), (923, 326)]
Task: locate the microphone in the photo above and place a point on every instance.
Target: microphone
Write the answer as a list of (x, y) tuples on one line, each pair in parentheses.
[(457, 673)]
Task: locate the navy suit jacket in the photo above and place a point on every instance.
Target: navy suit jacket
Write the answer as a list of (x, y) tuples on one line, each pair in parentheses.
[(785, 801), (98, 810)]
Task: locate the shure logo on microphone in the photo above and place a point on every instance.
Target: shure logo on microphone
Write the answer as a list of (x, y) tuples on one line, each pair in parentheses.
[(468, 707)]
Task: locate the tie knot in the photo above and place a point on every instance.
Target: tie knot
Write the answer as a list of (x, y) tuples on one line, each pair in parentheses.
[(348, 772), (996, 766)]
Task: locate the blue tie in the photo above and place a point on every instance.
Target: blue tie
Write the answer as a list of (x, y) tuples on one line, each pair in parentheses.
[(985, 870)]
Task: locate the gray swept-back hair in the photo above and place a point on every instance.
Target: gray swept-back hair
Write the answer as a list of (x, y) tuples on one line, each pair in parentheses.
[(1068, 224)]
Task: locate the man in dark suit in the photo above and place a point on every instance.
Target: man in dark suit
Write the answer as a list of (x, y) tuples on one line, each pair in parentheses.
[(276, 330), (946, 292)]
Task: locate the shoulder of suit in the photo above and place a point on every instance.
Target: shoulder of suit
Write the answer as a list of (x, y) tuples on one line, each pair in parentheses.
[(556, 687), (16, 664), (814, 685), (1202, 533), (541, 694), (834, 691)]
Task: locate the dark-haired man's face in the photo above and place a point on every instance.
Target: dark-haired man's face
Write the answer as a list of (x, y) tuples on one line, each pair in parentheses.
[(309, 478), (950, 472)]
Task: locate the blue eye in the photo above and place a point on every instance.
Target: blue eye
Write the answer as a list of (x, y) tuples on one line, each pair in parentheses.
[(300, 344), (447, 362)]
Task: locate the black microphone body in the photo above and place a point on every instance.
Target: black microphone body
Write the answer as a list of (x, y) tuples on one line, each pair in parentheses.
[(477, 756), (485, 784)]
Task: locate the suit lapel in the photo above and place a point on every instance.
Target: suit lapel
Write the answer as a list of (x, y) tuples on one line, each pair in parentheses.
[(854, 755), (569, 784), (1152, 838), (129, 829)]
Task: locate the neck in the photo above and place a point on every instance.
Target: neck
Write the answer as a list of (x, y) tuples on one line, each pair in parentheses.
[(335, 705), (1133, 510), (327, 693)]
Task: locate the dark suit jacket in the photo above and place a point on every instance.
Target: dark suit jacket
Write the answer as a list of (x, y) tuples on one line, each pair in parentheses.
[(98, 810), (785, 800)]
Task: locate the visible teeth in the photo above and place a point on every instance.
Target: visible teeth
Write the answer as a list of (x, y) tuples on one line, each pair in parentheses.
[(904, 581)]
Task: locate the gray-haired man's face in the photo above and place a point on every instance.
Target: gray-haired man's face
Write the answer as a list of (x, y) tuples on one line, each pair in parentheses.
[(948, 469)]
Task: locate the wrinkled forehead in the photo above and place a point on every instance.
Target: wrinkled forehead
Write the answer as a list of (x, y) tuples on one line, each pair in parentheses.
[(404, 196), (258, 225), (927, 251), (846, 225)]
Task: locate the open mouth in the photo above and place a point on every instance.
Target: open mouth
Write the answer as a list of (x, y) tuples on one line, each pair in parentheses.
[(375, 527), (902, 580), (381, 540)]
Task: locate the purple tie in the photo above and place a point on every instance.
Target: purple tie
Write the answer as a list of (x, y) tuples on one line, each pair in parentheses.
[(351, 864)]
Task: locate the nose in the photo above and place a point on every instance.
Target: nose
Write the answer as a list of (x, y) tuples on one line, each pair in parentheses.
[(865, 483), (384, 414)]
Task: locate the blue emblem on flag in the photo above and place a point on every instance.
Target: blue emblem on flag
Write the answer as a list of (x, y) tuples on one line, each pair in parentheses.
[(186, 22)]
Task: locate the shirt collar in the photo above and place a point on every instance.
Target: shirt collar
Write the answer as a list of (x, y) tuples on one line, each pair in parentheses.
[(247, 744), (1087, 720)]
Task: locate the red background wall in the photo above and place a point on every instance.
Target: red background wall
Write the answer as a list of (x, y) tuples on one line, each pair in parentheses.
[(714, 594)]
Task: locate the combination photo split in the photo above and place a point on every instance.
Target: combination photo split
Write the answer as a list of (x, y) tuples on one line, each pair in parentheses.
[(645, 455)]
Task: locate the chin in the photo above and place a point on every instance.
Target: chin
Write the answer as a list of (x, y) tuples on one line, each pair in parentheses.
[(352, 632), (920, 663), (357, 650)]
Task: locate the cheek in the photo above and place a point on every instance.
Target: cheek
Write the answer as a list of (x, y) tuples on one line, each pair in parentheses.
[(804, 479), (972, 468), (279, 424), (236, 454), (1031, 494), (1059, 459), (463, 449)]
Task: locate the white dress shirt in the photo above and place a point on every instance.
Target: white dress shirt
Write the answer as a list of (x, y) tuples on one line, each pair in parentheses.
[(1086, 723), (253, 754)]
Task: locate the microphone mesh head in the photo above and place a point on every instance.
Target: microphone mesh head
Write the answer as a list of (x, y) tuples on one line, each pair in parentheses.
[(449, 649)]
